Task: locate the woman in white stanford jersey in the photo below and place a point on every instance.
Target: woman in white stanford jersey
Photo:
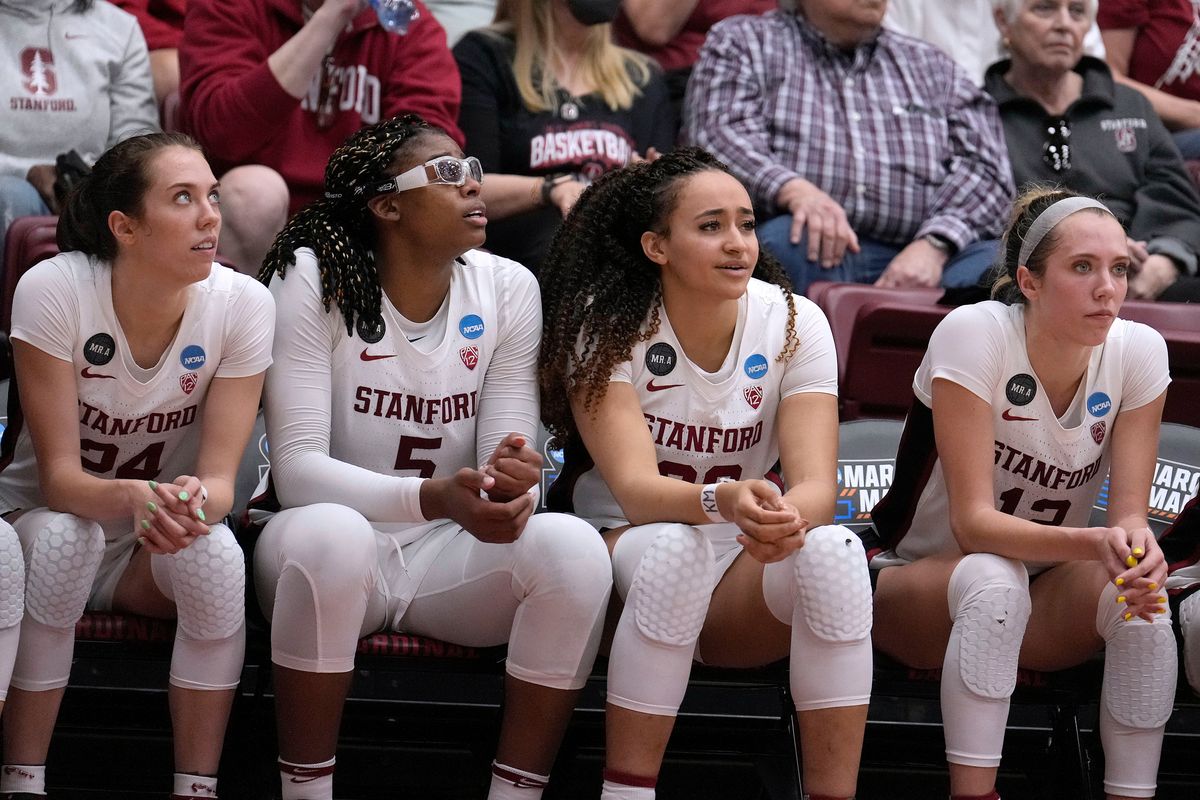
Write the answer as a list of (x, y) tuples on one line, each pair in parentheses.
[(676, 380), (1022, 408), (159, 354), (400, 411)]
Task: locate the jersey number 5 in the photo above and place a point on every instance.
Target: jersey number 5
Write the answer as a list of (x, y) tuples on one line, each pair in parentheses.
[(404, 455)]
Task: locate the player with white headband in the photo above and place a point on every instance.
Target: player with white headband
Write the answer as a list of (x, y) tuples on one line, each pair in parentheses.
[(139, 364), (1022, 408), (677, 380)]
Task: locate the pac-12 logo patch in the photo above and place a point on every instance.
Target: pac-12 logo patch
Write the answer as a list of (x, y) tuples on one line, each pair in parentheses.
[(661, 358), (754, 396), (755, 366), (1021, 389), (1099, 404), (1098, 430), (469, 356), (370, 331), (192, 357), (188, 381), (471, 326), (99, 349)]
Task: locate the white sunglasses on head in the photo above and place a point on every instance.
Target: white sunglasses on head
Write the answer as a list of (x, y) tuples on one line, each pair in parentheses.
[(443, 169)]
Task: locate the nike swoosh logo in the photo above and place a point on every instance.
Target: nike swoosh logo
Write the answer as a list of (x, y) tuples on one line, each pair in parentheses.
[(87, 373), (652, 388), (304, 780), (419, 338), (365, 356), (1008, 415)]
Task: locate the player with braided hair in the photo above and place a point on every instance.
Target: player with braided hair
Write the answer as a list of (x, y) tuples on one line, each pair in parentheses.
[(139, 365), (401, 411), (678, 367), (1021, 409)]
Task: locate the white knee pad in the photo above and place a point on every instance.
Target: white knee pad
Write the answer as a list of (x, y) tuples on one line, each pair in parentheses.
[(563, 576), (63, 553), (12, 602), (1189, 627), (673, 585), (830, 582), (989, 603), (315, 570), (1140, 667), (207, 581), (12, 579)]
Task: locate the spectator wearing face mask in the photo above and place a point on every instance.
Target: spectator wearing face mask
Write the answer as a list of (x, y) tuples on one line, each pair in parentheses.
[(549, 104)]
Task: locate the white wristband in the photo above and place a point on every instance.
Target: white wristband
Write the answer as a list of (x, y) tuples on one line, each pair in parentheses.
[(708, 503)]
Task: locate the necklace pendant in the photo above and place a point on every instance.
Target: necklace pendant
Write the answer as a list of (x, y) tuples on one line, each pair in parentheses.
[(568, 110)]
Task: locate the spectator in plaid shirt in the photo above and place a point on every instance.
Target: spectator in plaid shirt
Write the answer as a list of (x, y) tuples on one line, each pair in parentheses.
[(873, 156)]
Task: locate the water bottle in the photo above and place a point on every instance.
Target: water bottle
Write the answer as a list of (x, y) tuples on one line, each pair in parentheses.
[(395, 15)]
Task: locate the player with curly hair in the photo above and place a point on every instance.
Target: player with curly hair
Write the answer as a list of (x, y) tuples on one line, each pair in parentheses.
[(400, 415), (677, 367)]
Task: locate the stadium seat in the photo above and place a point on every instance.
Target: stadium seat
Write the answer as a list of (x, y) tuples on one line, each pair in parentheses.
[(887, 344), (29, 240), (1176, 478), (841, 303), (1163, 317)]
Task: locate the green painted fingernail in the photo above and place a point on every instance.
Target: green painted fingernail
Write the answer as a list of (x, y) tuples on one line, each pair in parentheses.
[(153, 485), (184, 496), (200, 515), (145, 524), (151, 507)]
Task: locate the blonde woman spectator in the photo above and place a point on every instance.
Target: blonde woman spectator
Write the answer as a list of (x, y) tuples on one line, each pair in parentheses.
[(543, 139)]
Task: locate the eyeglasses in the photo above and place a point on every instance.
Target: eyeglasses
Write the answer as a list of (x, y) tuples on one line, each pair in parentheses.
[(443, 169), (1056, 152)]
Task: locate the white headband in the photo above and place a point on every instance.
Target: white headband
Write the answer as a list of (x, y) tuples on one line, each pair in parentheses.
[(1053, 215)]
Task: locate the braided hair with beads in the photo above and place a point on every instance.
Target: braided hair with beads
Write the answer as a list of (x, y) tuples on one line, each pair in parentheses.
[(338, 228), (599, 289)]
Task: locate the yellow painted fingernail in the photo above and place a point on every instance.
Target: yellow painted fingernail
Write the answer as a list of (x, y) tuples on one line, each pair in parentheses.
[(184, 496), (1119, 581), (1161, 600), (1121, 599), (151, 507), (1128, 615), (1153, 586), (145, 524), (200, 515), (1131, 562), (1137, 551), (1160, 611)]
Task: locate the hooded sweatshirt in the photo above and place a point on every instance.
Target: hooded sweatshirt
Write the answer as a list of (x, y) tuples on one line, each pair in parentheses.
[(70, 81)]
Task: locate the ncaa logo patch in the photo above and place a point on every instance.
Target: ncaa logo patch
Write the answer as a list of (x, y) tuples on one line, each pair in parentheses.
[(754, 396), (1021, 389), (99, 349), (1098, 404), (471, 326), (469, 356), (755, 366), (188, 381), (1098, 431), (661, 359), (192, 357)]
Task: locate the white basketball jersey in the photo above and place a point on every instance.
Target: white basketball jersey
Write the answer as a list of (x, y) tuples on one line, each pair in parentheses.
[(134, 423), (707, 427), (1048, 469), (401, 410)]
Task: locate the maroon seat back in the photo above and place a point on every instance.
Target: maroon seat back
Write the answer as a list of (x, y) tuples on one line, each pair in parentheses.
[(29, 240), (886, 347)]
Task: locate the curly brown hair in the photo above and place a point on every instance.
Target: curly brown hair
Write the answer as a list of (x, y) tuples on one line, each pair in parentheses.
[(601, 294), (338, 228)]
